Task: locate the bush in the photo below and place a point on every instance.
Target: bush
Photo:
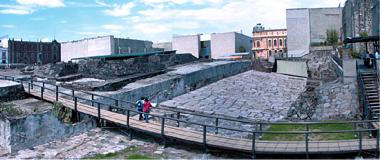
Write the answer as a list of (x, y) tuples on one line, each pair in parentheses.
[(332, 36), (354, 53), (62, 113), (10, 110)]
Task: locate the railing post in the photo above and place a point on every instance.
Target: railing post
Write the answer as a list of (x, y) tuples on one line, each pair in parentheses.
[(73, 93), (360, 143), (117, 103), (129, 128), (99, 118), (31, 83), (260, 129), (204, 137), (92, 99), (163, 131), (254, 145), (56, 93), (76, 109), (307, 141), (216, 125), (377, 144), (29, 87), (178, 116), (43, 84), (128, 116), (42, 93)]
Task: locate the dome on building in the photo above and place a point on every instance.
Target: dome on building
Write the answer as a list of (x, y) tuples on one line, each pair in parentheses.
[(258, 28)]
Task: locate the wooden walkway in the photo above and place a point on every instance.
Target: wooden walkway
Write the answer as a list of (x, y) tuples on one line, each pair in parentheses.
[(216, 141)]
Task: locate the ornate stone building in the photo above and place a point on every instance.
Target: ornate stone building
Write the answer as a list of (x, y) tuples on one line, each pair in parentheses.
[(27, 52), (268, 42)]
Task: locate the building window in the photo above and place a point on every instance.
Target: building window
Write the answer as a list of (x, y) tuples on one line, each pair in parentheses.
[(270, 53), (270, 43), (280, 42), (275, 43), (258, 44), (275, 51), (284, 42)]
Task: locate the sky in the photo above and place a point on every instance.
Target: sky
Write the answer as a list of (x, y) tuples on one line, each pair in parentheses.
[(154, 20)]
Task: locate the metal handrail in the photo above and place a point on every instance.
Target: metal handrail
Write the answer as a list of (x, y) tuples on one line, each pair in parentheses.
[(307, 132)]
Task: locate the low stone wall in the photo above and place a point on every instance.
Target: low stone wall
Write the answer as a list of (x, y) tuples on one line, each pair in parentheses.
[(177, 82), (337, 68), (27, 131), (337, 101), (11, 91)]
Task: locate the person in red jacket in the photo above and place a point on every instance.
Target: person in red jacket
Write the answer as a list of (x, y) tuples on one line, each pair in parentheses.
[(147, 107)]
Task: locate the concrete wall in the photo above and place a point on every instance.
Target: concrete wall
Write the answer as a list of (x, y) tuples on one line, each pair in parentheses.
[(36, 129), (123, 46), (298, 26), (289, 67), (86, 48), (244, 41), (167, 46), (106, 45), (323, 19), (187, 44), (223, 44)]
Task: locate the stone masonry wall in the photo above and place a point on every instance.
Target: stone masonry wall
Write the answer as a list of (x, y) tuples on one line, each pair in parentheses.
[(36, 129), (336, 101), (181, 80)]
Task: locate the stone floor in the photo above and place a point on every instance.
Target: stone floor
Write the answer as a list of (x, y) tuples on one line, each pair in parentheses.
[(251, 95)]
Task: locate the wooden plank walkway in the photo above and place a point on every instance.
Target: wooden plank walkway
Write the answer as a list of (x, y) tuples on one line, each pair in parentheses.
[(217, 141)]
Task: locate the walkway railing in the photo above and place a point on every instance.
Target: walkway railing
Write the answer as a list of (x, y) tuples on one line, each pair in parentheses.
[(42, 91)]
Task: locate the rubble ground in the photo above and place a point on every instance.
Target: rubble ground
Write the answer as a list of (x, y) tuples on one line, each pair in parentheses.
[(108, 144)]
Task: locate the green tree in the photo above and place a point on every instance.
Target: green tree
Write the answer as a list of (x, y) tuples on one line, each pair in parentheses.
[(363, 34), (332, 36), (242, 49)]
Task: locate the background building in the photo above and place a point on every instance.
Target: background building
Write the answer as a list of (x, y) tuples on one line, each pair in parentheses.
[(225, 44), (308, 26), (187, 44), (165, 46), (106, 45), (220, 45), (4, 49), (360, 18), (268, 42), (27, 52)]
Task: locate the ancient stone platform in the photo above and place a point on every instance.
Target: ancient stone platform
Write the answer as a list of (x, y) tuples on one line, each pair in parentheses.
[(10, 90), (30, 122), (251, 95)]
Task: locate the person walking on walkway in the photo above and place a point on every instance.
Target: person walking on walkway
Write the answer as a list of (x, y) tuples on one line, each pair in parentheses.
[(147, 107), (140, 107)]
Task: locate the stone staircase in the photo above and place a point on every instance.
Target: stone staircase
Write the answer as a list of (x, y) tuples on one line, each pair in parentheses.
[(371, 87)]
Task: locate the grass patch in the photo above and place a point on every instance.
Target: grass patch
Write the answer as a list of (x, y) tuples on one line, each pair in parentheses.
[(128, 153), (315, 137), (138, 156)]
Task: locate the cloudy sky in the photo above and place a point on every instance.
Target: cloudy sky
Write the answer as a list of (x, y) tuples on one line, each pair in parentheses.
[(155, 20)]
